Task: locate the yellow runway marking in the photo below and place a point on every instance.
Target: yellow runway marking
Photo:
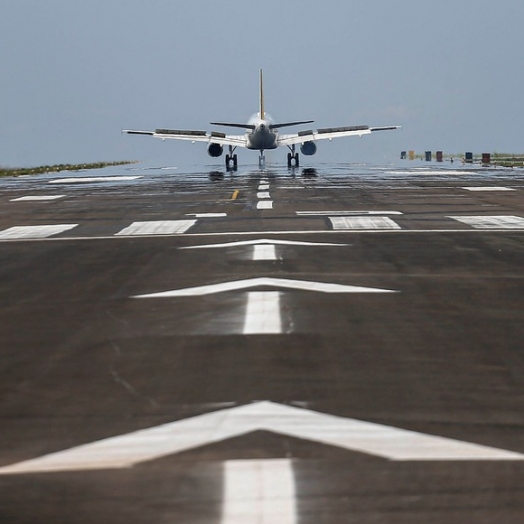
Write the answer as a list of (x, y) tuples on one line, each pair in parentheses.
[(235, 194)]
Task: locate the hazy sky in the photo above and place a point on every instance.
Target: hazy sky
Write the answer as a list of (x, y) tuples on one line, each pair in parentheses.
[(75, 72)]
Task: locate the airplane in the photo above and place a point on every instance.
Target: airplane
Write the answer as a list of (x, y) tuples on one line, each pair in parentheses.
[(261, 135)]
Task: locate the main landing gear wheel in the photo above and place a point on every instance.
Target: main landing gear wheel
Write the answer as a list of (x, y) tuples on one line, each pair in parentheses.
[(231, 159), (292, 158)]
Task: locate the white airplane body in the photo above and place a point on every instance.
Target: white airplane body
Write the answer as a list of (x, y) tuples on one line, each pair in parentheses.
[(261, 134)]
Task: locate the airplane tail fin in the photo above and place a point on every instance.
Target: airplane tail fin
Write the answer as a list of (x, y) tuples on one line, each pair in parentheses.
[(262, 112)]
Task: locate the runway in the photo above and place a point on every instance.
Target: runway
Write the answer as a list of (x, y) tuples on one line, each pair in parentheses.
[(337, 345)]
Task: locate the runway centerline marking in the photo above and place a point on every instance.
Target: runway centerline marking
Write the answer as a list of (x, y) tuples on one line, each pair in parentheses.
[(259, 492), (264, 252), (263, 194), (265, 204), (161, 227), (263, 314), (37, 198), (136, 447), (33, 232), (491, 222), (363, 223), (263, 187), (206, 215)]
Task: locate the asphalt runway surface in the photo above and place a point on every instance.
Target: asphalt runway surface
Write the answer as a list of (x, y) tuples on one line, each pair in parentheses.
[(339, 345)]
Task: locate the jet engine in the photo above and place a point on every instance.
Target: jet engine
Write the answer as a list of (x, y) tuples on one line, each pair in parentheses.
[(215, 150), (308, 148)]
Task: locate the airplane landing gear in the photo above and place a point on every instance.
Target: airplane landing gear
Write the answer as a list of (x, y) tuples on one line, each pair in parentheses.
[(292, 158), (231, 159), (261, 160)]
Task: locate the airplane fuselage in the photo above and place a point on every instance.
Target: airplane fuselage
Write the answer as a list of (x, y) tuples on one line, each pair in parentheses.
[(262, 137)]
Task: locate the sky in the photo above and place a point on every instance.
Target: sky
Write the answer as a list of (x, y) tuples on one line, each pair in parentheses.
[(73, 73)]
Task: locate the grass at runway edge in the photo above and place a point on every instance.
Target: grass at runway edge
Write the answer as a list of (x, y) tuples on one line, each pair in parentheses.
[(18, 171)]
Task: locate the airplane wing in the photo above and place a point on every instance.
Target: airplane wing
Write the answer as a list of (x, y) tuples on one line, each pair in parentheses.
[(329, 133), (193, 136)]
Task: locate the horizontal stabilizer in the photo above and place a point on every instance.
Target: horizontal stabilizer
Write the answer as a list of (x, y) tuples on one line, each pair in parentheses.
[(227, 124), (289, 124)]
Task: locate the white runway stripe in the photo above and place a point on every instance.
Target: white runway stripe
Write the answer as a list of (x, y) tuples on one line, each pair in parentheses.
[(263, 187), (263, 313), (263, 194), (265, 204), (259, 492), (363, 223), (491, 222), (161, 227), (486, 188), (85, 180), (35, 198), (346, 213), (264, 252), (34, 231)]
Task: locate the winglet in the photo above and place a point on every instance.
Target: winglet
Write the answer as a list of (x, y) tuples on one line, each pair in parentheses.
[(262, 113)]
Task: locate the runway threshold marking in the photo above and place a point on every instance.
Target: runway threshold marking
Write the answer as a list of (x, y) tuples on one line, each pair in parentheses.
[(491, 222), (263, 314), (265, 204), (259, 492), (37, 198), (144, 445), (363, 223), (34, 232), (263, 194), (161, 227)]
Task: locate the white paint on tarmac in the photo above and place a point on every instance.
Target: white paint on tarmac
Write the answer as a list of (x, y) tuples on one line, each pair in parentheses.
[(487, 188), (31, 232), (86, 180), (259, 492), (263, 241), (263, 187), (341, 223), (206, 215), (144, 445), (37, 198), (263, 314), (264, 252), (161, 227), (491, 222), (263, 194), (265, 204), (346, 213), (236, 285)]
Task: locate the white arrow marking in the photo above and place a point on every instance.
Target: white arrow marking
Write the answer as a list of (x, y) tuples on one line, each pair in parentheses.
[(259, 492), (261, 242), (263, 313), (144, 445), (257, 282)]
